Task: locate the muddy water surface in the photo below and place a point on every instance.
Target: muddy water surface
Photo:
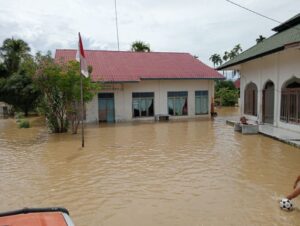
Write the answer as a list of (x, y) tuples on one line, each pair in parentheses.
[(138, 174)]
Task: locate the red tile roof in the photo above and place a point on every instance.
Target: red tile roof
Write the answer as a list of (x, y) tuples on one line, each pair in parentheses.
[(125, 66)]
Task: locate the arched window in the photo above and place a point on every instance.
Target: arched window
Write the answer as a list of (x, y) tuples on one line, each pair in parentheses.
[(290, 101), (250, 99)]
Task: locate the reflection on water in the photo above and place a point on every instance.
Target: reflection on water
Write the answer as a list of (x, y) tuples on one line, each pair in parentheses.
[(194, 172)]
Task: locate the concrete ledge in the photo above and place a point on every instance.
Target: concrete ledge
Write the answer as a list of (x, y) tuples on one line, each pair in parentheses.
[(246, 129), (230, 122), (161, 117), (249, 129), (237, 127)]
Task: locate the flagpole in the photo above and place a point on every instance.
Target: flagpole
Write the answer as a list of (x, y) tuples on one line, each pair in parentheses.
[(82, 106)]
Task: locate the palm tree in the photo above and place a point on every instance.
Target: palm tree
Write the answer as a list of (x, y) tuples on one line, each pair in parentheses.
[(139, 46), (225, 56), (13, 52), (219, 60), (260, 39), (216, 59), (213, 59), (232, 54), (237, 49)]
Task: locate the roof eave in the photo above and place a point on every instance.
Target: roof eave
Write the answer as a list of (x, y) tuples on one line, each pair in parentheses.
[(136, 81), (288, 24), (214, 78), (251, 58), (109, 82)]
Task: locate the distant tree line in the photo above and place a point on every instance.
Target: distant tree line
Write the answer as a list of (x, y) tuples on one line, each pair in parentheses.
[(226, 93), (217, 59)]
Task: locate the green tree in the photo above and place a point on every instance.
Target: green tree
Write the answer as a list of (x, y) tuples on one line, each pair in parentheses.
[(18, 89), (20, 92), (225, 93), (3, 71), (12, 53), (16, 70), (237, 49), (140, 46), (227, 97), (216, 59), (60, 86), (225, 56), (260, 39), (224, 84), (232, 54)]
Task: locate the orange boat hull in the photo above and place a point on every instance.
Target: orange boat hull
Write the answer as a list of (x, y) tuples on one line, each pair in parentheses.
[(35, 218)]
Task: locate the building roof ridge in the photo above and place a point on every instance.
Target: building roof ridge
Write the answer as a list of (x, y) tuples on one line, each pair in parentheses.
[(125, 51)]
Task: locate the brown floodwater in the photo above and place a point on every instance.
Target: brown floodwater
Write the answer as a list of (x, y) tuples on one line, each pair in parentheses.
[(195, 172)]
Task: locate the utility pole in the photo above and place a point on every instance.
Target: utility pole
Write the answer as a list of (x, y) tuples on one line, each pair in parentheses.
[(117, 29)]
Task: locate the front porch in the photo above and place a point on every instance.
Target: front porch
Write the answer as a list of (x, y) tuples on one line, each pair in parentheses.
[(283, 135)]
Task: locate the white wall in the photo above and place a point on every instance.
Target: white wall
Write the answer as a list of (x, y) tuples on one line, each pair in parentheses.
[(278, 68), (123, 97)]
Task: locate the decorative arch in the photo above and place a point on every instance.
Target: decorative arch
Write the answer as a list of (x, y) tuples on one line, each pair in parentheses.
[(268, 102), (268, 83), (290, 101), (250, 99)]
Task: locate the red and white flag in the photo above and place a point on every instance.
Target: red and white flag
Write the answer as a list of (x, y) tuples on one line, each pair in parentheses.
[(81, 57)]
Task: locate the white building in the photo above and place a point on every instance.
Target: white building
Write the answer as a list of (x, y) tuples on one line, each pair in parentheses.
[(145, 86), (270, 77)]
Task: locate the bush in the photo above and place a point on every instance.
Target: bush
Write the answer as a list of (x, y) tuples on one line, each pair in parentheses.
[(227, 97), (24, 123), (19, 115)]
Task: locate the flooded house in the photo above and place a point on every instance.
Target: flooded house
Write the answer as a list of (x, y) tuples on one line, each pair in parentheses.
[(147, 85), (270, 78)]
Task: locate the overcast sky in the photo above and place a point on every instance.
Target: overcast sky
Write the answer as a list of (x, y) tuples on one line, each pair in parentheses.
[(200, 27)]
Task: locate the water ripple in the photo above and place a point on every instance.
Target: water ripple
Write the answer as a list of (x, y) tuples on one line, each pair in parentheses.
[(176, 173)]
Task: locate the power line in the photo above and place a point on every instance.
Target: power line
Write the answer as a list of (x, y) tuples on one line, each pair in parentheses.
[(259, 14), (252, 11)]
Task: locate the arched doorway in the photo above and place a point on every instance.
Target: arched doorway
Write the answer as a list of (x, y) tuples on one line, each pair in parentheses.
[(250, 99), (290, 101), (268, 103)]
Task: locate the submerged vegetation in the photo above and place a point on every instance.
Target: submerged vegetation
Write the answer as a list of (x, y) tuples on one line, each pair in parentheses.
[(24, 123)]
